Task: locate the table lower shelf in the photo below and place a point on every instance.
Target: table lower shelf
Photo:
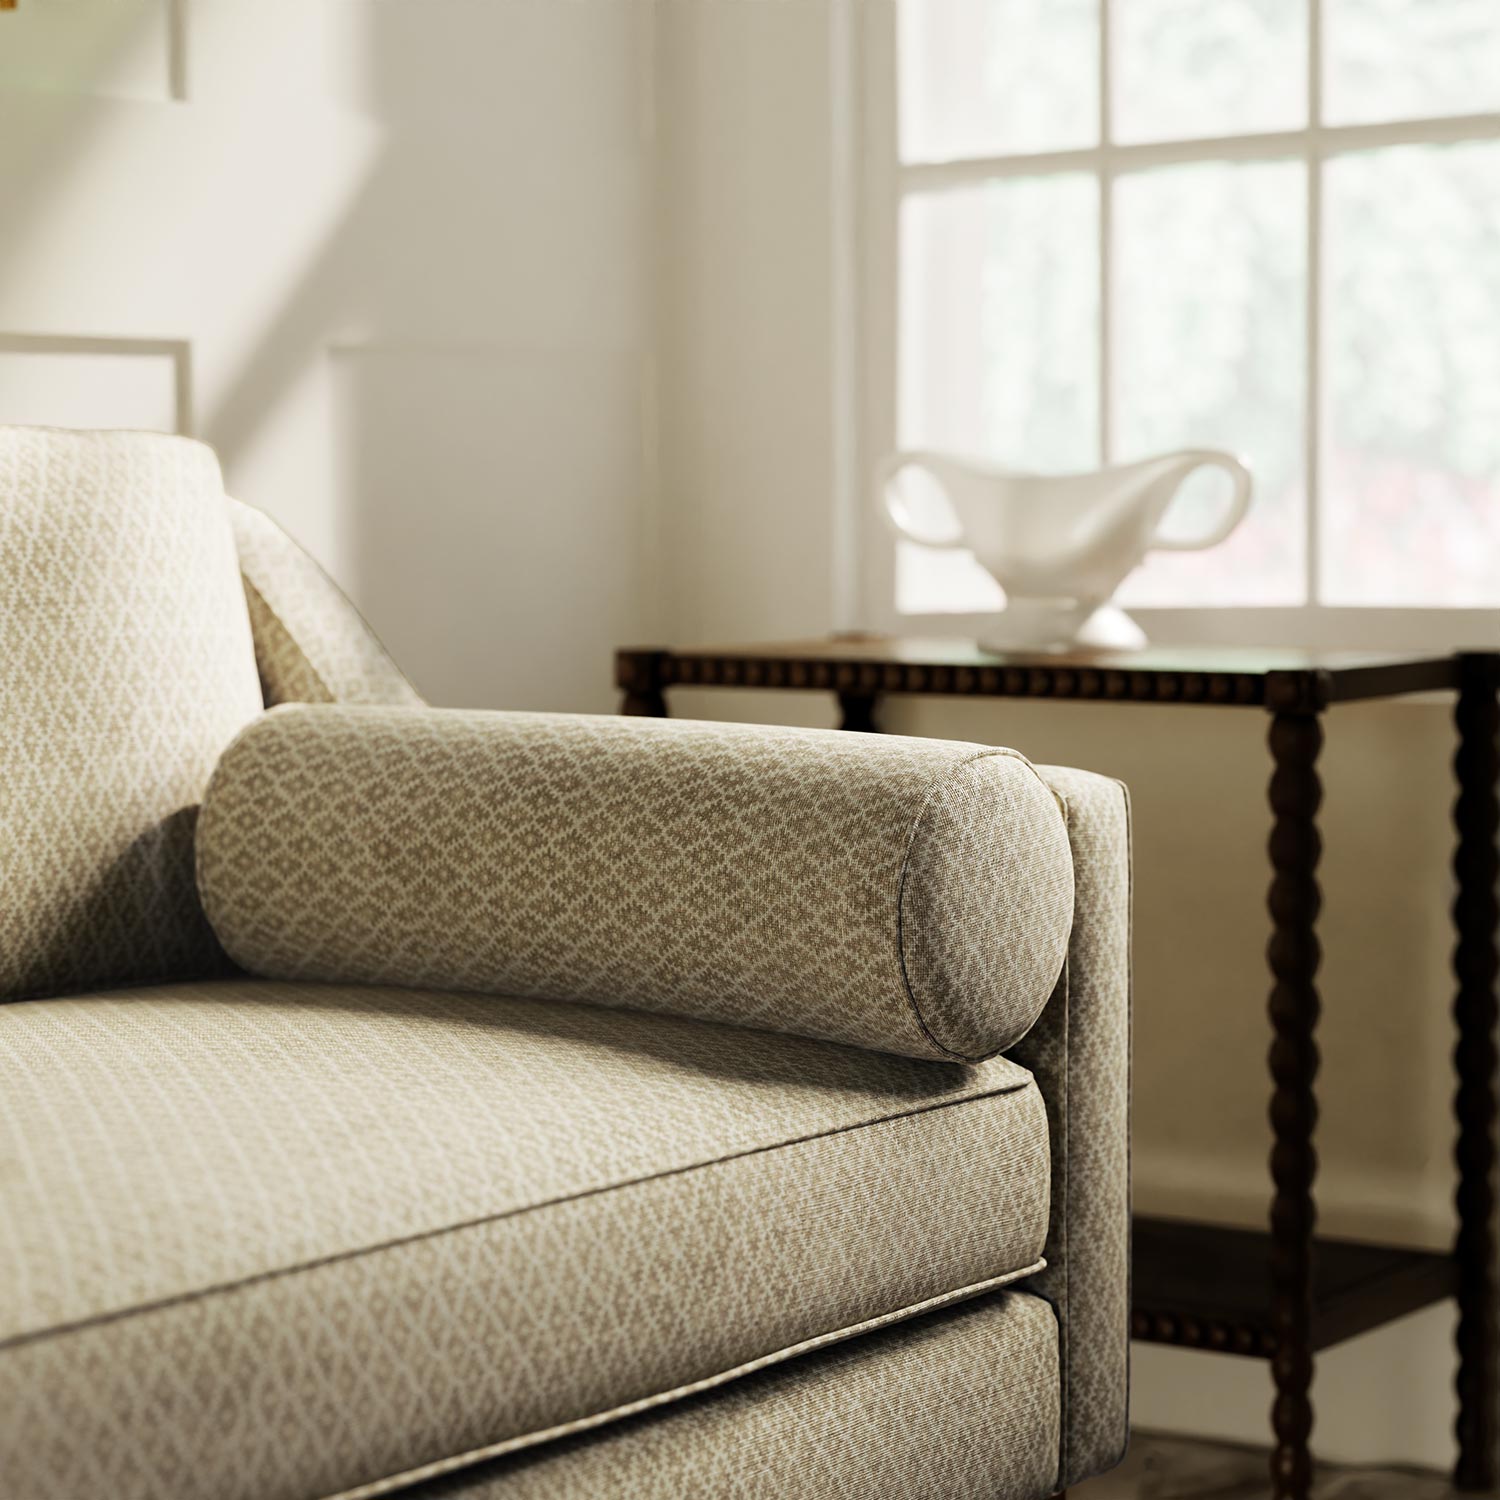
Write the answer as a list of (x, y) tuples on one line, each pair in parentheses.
[(1203, 1286)]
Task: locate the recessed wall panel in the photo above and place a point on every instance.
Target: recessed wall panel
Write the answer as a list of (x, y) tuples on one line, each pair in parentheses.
[(78, 383), (493, 501), (115, 48)]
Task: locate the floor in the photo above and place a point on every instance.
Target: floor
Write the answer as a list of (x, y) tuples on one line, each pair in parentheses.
[(1167, 1468)]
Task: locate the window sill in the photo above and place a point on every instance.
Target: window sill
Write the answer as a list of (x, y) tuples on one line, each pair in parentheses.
[(1312, 628)]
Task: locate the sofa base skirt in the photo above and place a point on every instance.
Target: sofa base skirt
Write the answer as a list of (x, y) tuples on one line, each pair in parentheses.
[(956, 1404)]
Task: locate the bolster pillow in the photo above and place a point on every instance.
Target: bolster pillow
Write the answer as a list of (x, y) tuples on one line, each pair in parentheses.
[(912, 896)]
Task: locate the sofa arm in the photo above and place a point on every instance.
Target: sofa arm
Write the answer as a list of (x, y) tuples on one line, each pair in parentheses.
[(912, 896), (1079, 1051), (311, 644)]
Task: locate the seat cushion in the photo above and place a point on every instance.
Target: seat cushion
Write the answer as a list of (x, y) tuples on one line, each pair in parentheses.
[(127, 667), (275, 1240), (960, 1404)]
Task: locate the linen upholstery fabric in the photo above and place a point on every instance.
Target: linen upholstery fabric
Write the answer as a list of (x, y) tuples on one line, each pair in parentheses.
[(957, 1405), (311, 644), (127, 669), (1080, 1054), (271, 1240), (909, 895)]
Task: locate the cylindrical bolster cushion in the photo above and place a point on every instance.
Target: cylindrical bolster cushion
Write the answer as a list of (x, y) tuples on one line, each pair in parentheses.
[(913, 896)]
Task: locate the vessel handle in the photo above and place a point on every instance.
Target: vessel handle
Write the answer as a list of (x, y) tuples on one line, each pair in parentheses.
[(1239, 504), (890, 507)]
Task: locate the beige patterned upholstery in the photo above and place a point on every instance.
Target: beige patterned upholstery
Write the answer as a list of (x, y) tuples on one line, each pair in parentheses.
[(127, 668), (910, 895), (318, 1241), (311, 646), (270, 1241), (957, 1405), (1080, 1053)]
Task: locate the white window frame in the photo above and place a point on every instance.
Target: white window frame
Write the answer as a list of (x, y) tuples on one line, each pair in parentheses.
[(870, 359)]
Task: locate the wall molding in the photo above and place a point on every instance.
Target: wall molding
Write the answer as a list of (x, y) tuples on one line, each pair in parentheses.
[(170, 51), (179, 351)]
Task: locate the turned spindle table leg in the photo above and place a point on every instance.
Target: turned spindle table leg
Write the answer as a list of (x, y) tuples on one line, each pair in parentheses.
[(1294, 954), (1476, 915), (857, 711), (638, 674)]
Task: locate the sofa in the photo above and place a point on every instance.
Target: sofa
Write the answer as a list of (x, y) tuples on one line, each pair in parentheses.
[(470, 1104)]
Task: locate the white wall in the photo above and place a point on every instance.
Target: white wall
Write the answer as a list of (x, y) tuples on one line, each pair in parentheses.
[(399, 254), (746, 320), (748, 403)]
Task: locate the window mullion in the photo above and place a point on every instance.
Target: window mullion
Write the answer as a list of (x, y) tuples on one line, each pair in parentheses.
[(1313, 309), (1332, 140), (1106, 240)]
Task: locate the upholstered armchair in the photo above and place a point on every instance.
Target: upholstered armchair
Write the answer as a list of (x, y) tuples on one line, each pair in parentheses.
[(399, 1100)]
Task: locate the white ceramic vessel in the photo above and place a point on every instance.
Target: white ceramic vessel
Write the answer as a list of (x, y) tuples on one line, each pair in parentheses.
[(1060, 545)]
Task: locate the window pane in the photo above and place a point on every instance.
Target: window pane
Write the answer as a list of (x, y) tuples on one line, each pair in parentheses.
[(984, 77), (1191, 68), (1209, 277), (999, 345), (1411, 427), (1387, 59)]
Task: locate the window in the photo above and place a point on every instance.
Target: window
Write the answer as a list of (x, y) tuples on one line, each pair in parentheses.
[(1106, 228)]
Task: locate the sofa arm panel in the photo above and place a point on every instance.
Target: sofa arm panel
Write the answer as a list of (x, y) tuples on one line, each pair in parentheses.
[(1079, 1051), (311, 644), (911, 896)]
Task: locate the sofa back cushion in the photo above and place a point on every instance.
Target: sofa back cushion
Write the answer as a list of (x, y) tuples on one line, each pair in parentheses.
[(125, 668)]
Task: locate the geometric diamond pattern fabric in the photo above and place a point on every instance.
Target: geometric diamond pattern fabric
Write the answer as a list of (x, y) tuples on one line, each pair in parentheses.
[(286, 1240), (1080, 1054), (273, 1240), (957, 1405), (909, 895), (127, 668), (311, 644)]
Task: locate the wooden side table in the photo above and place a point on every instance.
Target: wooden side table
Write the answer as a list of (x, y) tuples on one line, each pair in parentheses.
[(1284, 1294)]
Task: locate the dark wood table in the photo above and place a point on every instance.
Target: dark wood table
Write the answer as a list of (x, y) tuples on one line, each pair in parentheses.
[(1284, 1294)]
